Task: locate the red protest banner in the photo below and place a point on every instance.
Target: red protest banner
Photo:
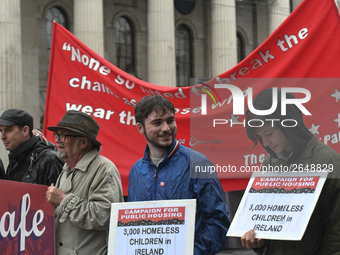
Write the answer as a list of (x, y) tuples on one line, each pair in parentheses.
[(26, 219), (303, 50), (300, 53)]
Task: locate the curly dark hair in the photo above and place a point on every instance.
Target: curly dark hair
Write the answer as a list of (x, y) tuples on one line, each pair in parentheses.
[(152, 103)]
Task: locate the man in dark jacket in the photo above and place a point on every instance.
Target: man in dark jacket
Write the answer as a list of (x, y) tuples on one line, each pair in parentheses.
[(31, 159), (166, 172), (295, 145)]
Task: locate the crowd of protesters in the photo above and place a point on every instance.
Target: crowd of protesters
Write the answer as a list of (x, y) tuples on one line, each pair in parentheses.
[(82, 184)]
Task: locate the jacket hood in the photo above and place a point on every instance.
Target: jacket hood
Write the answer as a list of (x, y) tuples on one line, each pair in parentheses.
[(299, 135)]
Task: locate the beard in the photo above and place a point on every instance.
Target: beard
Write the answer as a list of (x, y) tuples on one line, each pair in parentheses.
[(163, 146), (65, 155), (61, 155)]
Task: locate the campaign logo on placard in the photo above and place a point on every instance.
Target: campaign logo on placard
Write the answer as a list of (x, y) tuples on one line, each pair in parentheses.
[(151, 216), (286, 185)]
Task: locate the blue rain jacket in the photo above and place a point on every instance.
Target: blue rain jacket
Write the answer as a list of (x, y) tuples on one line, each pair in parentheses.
[(172, 180)]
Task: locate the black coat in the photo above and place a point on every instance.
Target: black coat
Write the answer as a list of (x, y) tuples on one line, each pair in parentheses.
[(2, 171), (34, 161)]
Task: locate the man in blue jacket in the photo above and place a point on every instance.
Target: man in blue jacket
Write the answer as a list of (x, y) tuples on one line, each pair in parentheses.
[(166, 172)]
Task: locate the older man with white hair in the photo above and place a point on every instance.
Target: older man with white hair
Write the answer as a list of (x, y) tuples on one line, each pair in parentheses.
[(85, 189)]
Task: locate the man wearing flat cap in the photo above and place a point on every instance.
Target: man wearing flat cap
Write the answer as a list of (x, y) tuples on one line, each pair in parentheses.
[(31, 160), (85, 189)]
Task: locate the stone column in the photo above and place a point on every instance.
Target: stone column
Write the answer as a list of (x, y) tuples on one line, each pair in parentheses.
[(89, 24), (30, 60), (161, 43), (11, 81), (223, 36), (337, 3), (278, 11), (11, 87)]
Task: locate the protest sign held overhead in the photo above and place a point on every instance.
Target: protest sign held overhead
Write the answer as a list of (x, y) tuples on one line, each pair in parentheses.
[(302, 52)]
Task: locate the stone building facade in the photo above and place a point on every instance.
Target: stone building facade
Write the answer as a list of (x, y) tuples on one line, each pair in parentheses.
[(164, 42)]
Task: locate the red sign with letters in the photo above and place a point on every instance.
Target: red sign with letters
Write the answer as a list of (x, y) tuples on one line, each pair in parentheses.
[(26, 220)]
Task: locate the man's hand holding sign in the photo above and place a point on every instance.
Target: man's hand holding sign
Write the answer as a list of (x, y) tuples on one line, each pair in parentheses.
[(282, 204)]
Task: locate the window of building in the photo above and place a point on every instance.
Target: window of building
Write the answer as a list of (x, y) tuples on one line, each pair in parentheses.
[(183, 56), (185, 6), (57, 15), (53, 14), (240, 48), (125, 46), (130, 3)]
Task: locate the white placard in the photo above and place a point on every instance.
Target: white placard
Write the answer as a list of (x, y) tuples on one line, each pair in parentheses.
[(163, 227), (278, 206)]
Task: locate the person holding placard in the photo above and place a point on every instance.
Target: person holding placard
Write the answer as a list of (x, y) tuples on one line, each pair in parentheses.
[(292, 144), (164, 173)]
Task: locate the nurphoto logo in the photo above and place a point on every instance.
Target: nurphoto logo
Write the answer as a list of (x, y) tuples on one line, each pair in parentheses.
[(239, 96)]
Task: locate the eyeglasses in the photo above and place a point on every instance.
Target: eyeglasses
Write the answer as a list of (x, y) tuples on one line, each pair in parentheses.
[(62, 137)]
